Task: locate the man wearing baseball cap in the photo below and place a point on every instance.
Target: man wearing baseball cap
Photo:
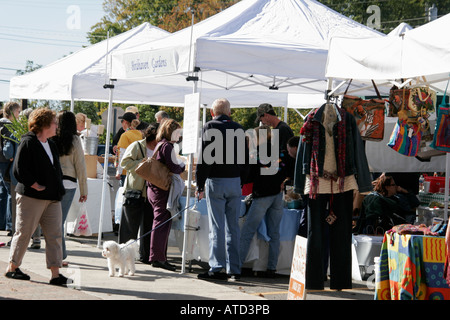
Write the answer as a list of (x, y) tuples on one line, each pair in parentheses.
[(142, 126), (267, 116)]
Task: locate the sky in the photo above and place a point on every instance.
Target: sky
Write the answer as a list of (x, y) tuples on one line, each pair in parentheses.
[(43, 32)]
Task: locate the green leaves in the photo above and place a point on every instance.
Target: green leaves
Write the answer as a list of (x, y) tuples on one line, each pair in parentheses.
[(17, 128)]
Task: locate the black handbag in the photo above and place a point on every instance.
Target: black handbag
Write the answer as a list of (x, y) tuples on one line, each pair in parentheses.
[(133, 198)]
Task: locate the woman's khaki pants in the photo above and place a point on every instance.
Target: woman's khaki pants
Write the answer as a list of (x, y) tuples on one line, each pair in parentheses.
[(30, 213)]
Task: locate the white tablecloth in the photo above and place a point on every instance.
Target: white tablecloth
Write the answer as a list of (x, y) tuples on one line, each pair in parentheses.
[(259, 249), (93, 204)]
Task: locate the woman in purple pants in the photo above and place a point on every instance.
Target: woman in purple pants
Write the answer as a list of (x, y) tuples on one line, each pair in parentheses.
[(158, 197)]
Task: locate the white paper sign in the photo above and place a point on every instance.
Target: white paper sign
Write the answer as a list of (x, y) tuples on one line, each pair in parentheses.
[(297, 281), (191, 123)]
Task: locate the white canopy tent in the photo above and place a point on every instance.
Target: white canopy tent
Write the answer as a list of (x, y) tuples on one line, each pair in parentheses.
[(81, 75), (420, 54), (258, 50)]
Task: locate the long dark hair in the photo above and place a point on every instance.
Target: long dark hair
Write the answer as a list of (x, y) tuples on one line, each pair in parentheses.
[(67, 129), (150, 132)]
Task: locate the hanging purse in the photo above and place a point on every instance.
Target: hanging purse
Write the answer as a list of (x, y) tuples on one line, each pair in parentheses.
[(155, 172), (369, 114), (406, 138), (421, 100), (441, 137), (398, 100)]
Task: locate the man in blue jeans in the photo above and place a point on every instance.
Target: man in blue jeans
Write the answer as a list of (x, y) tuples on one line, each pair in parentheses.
[(218, 175), (268, 176)]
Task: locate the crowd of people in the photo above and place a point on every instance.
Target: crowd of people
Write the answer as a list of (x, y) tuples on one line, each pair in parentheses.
[(37, 191), (41, 170), (39, 177)]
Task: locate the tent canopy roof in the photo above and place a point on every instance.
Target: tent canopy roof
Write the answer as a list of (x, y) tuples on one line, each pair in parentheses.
[(420, 52), (254, 45), (61, 79), (255, 51)]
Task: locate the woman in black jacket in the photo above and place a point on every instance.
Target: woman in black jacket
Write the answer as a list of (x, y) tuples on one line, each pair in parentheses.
[(39, 192)]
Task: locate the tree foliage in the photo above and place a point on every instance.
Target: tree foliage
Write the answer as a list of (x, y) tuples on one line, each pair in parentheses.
[(171, 15), (392, 12)]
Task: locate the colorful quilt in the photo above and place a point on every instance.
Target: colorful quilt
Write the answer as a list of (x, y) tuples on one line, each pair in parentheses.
[(412, 268)]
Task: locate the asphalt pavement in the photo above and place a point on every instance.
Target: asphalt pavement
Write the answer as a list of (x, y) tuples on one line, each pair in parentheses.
[(88, 269)]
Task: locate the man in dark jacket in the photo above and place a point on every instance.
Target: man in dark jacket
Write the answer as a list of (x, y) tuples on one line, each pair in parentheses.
[(218, 174)]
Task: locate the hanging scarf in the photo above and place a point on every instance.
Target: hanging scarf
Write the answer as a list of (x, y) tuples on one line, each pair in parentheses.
[(311, 133)]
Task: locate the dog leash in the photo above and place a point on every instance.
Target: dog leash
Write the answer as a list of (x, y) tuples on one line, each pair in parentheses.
[(147, 233)]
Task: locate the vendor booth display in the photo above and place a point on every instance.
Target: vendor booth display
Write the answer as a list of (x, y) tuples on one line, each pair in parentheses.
[(412, 266), (399, 61)]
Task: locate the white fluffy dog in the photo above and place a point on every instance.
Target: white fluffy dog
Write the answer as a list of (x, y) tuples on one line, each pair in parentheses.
[(122, 256)]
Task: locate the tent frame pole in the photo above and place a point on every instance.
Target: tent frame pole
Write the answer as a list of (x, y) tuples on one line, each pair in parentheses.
[(109, 86), (190, 157)]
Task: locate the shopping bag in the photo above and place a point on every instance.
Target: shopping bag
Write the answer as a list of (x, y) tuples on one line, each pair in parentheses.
[(398, 100), (441, 137), (118, 204), (192, 227), (155, 172), (369, 115), (81, 225), (406, 138)]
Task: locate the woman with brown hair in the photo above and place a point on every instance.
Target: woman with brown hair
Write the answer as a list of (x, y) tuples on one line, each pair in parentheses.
[(385, 207), (39, 193), (167, 135)]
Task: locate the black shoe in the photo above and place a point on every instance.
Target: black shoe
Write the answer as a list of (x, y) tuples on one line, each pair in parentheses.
[(144, 261), (35, 245), (213, 276), (17, 274), (234, 277), (60, 281), (164, 265), (267, 274)]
